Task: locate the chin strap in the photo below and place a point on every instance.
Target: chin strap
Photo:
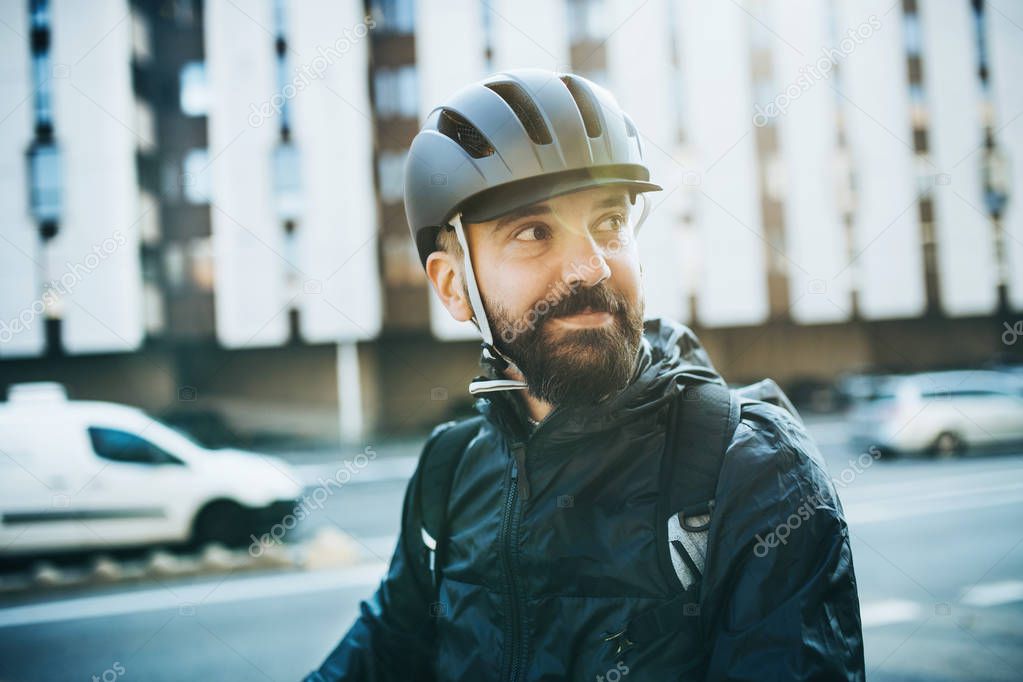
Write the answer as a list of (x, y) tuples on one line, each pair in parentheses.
[(491, 355)]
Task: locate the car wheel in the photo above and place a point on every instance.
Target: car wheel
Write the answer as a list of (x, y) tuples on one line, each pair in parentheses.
[(223, 522), (948, 445)]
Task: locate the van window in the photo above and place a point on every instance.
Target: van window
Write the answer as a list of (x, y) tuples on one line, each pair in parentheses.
[(122, 446)]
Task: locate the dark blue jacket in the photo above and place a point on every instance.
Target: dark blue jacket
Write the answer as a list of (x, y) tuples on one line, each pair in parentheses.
[(532, 588)]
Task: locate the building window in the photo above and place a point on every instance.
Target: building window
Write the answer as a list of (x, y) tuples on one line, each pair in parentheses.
[(171, 179), (149, 222), (280, 17), (396, 91), (283, 80), (585, 20), (193, 90), (184, 13), (44, 174), (200, 256), (174, 266), (44, 90), (145, 126), (287, 178), (393, 16), (391, 172), (141, 42), (195, 178), (911, 31), (40, 13)]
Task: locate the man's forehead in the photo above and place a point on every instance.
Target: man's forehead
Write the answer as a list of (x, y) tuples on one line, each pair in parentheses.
[(593, 198)]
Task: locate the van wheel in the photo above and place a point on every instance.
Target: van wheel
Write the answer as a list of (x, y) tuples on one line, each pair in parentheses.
[(948, 445), (223, 522)]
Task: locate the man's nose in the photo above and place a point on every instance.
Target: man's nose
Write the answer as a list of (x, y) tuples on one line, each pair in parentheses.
[(585, 260)]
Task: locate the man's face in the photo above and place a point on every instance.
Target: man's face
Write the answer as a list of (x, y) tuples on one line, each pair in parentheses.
[(560, 281)]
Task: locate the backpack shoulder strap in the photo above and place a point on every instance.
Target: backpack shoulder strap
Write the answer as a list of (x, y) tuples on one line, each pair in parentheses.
[(437, 467), (700, 426), (705, 417)]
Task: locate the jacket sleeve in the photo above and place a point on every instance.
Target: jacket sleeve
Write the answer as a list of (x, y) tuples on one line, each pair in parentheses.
[(392, 638), (780, 590)]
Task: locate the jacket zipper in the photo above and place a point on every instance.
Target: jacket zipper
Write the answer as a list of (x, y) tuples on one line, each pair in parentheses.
[(518, 489), (513, 633)]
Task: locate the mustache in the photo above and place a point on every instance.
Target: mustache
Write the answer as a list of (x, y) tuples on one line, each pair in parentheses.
[(598, 299)]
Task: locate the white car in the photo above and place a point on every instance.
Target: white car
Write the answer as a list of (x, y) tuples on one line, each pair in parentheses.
[(941, 413), (79, 475)]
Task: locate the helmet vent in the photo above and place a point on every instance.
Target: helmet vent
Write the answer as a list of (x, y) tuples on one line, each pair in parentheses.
[(467, 135), (587, 106), (525, 110)]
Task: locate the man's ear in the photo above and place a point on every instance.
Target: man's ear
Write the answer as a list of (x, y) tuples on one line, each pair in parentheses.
[(446, 277)]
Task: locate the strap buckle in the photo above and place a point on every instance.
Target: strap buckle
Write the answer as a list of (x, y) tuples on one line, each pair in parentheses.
[(699, 509)]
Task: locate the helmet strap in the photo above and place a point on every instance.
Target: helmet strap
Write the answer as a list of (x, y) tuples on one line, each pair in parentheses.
[(491, 355)]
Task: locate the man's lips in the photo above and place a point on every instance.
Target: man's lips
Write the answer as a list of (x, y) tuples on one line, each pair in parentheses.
[(585, 318)]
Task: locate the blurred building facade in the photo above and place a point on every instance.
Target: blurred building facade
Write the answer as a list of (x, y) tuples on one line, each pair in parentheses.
[(202, 198)]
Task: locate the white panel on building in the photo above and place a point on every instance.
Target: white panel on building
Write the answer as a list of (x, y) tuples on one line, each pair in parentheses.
[(640, 43), (1005, 55), (248, 240), (733, 285), (967, 272), (803, 109), (95, 256), (22, 319), (530, 33), (888, 259), (444, 66), (337, 231)]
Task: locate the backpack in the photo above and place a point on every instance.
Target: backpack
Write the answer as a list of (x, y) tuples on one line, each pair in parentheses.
[(703, 419)]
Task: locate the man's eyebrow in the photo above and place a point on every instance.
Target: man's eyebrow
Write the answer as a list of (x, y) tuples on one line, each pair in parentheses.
[(523, 212), (611, 201)]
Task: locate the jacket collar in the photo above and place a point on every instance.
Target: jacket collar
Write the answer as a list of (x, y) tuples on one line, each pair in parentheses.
[(669, 356)]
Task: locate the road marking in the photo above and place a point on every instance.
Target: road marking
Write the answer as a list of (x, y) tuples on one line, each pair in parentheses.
[(994, 594), (926, 495), (864, 512), (888, 612), (186, 599), (898, 489)]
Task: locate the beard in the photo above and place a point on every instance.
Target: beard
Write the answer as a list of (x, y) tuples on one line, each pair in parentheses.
[(571, 367)]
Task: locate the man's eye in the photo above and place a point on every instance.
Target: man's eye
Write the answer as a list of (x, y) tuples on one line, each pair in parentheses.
[(533, 233), (611, 223)]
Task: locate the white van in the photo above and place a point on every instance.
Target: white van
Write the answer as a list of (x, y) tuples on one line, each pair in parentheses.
[(79, 474)]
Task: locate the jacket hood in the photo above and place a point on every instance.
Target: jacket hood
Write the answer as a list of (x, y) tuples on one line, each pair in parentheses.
[(669, 357)]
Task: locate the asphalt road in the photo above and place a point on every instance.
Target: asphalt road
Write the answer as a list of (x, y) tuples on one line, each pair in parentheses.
[(938, 549)]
